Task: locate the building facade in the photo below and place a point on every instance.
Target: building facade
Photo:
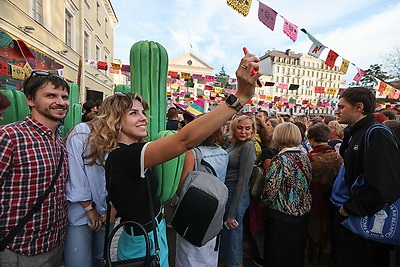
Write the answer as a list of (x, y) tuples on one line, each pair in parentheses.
[(68, 33), (287, 68)]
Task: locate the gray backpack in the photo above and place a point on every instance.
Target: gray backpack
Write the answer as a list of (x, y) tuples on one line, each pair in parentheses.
[(199, 214)]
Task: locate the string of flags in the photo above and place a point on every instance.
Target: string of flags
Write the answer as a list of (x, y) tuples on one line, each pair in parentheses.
[(268, 16)]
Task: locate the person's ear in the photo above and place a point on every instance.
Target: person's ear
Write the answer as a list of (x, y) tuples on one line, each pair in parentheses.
[(359, 107)]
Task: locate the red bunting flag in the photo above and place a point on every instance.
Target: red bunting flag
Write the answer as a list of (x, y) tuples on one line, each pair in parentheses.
[(173, 73), (382, 87), (331, 58), (4, 69), (267, 15), (290, 30), (319, 89), (102, 65)]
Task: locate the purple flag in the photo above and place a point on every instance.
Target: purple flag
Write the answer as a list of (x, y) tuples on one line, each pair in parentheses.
[(267, 16)]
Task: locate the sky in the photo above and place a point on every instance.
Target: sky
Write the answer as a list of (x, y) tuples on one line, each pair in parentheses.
[(361, 31)]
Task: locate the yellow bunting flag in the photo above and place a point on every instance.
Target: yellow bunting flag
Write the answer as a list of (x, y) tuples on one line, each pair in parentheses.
[(27, 69), (268, 98), (218, 90), (175, 86), (185, 75), (17, 72), (116, 66), (331, 90), (345, 66), (241, 6)]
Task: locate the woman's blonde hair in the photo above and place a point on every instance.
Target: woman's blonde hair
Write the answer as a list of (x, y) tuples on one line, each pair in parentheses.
[(104, 128), (339, 128), (234, 123), (286, 134)]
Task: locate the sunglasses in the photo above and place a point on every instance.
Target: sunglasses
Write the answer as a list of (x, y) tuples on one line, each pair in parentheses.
[(45, 74)]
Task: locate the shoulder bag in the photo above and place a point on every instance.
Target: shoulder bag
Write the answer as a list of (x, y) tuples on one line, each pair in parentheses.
[(383, 226)]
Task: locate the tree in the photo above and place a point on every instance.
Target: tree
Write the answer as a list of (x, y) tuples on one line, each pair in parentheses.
[(369, 79), (222, 79), (392, 63)]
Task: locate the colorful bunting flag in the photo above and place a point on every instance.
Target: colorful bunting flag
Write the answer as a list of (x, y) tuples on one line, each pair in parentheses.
[(316, 50), (126, 68), (102, 65), (242, 7), (290, 30), (294, 87), (359, 75), (345, 66), (17, 72), (116, 66), (4, 69), (382, 87), (269, 84), (319, 89), (197, 76), (209, 78), (331, 58), (185, 75), (283, 86), (267, 15), (331, 90), (172, 73), (341, 90)]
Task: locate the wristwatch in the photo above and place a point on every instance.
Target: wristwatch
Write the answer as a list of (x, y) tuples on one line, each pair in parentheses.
[(233, 102), (90, 207)]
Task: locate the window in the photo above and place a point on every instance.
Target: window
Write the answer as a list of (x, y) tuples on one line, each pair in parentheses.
[(97, 12), (37, 10), (277, 69), (105, 58), (86, 46), (97, 53), (68, 28), (105, 27)]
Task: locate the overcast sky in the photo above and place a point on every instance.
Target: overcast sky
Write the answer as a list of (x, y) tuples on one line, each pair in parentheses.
[(362, 31)]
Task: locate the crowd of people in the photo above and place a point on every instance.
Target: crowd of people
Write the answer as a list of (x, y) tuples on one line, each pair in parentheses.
[(291, 223)]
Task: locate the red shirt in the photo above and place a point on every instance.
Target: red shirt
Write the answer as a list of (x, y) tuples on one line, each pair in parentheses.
[(29, 156)]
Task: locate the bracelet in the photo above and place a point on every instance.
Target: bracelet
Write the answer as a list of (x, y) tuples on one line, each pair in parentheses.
[(90, 207)]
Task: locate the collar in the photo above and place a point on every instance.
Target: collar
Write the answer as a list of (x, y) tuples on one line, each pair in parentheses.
[(363, 123), (40, 127), (290, 149)]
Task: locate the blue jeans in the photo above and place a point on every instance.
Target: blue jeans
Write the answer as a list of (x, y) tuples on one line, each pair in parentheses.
[(83, 246), (231, 249)]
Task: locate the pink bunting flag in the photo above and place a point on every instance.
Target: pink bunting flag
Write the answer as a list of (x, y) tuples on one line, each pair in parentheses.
[(290, 30), (359, 75), (267, 15), (283, 86)]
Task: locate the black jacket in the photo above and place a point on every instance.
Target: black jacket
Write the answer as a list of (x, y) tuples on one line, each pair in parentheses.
[(380, 164)]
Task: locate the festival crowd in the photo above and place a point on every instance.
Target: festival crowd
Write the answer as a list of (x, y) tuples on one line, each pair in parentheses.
[(61, 197)]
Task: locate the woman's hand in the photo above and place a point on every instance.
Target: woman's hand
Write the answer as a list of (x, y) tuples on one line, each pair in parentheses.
[(112, 216), (231, 223), (95, 220), (246, 80), (343, 212)]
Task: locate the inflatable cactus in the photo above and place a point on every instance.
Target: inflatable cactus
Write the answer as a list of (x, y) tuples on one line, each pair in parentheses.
[(149, 67), (122, 88), (74, 115), (168, 173), (19, 107)]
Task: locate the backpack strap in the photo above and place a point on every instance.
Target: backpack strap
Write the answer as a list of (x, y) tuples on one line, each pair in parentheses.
[(377, 126), (201, 163)]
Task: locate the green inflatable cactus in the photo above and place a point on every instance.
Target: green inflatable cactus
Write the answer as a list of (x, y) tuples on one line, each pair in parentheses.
[(19, 107), (168, 173), (74, 115), (122, 88), (149, 67)]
